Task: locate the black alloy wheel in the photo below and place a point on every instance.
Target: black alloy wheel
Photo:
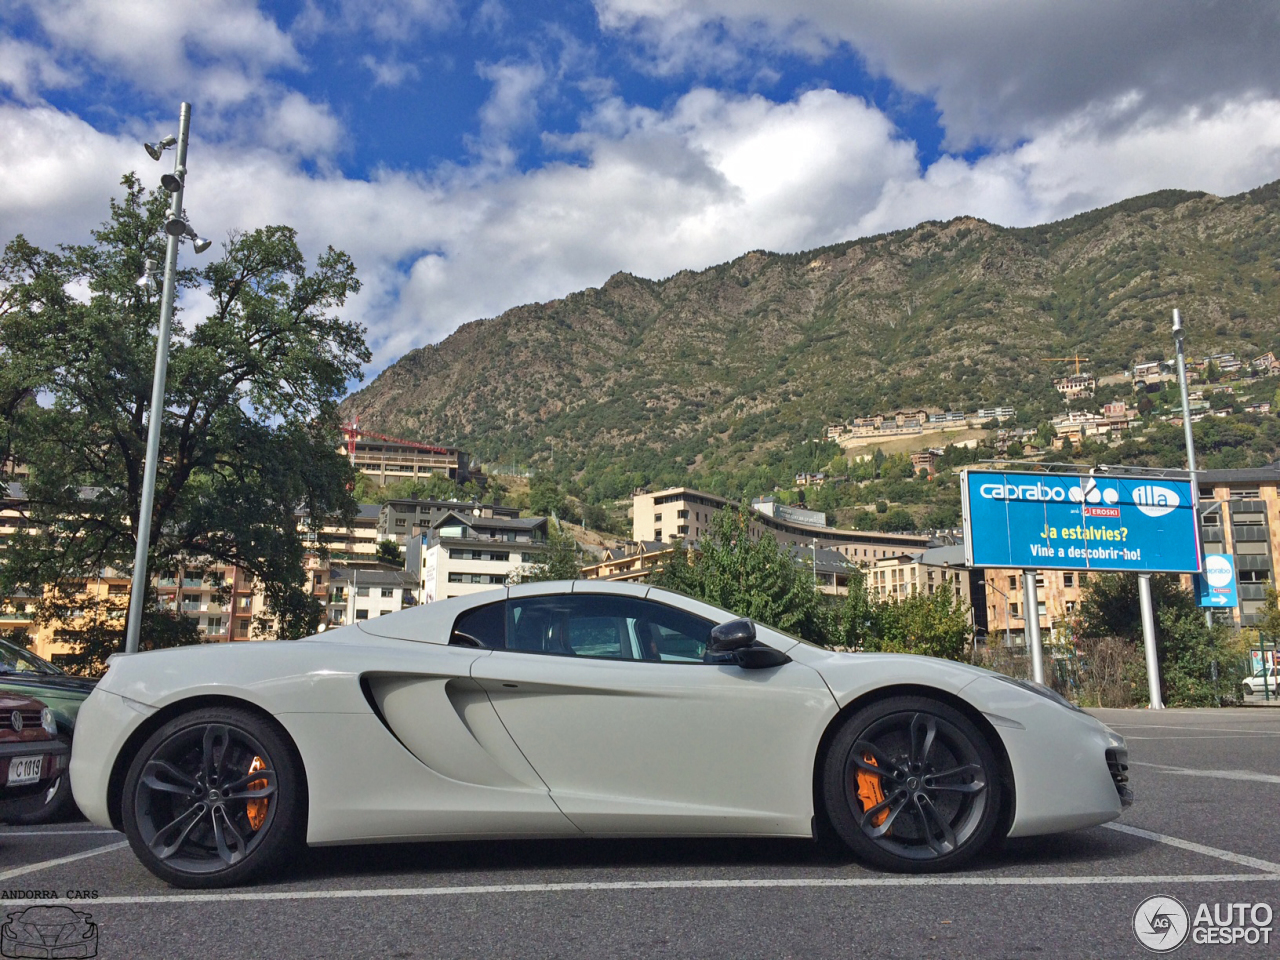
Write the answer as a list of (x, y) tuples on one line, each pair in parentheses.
[(214, 798), (912, 785)]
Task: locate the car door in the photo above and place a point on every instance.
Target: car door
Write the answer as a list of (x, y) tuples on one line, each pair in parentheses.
[(609, 700)]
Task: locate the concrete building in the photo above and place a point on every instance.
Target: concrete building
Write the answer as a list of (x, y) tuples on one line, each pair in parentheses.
[(400, 519), (1240, 516), (386, 459), (462, 553), (680, 513), (771, 507), (638, 561), (1075, 385), (347, 542), (926, 572), (357, 594), (1058, 601)]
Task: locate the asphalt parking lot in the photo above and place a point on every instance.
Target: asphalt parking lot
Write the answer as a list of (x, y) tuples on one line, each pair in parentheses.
[(1205, 829)]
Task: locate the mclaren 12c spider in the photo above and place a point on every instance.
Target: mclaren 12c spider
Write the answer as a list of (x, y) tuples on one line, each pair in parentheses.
[(574, 709)]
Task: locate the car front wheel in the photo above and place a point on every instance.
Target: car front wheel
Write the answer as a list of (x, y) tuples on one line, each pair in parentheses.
[(912, 785), (215, 798)]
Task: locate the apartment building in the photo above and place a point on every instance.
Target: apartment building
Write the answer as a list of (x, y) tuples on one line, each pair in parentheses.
[(386, 459), (925, 572), (680, 513), (462, 553), (349, 542), (1058, 595), (1240, 516), (400, 519), (357, 593)]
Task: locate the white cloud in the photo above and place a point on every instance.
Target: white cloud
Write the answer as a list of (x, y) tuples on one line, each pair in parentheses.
[(169, 46), (649, 191), (26, 69), (999, 71), (390, 72)]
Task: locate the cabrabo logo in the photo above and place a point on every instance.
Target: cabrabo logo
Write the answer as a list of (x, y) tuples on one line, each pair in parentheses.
[(1155, 501), (1025, 491)]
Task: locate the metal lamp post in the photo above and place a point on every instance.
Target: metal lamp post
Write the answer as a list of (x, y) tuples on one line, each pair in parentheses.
[(176, 228)]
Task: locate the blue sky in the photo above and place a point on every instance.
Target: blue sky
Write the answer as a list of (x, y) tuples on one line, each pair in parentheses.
[(473, 155)]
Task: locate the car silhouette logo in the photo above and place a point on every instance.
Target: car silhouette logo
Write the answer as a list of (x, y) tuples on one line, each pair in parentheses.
[(48, 932)]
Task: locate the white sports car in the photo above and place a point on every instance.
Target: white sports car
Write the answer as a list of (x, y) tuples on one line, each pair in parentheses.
[(574, 709)]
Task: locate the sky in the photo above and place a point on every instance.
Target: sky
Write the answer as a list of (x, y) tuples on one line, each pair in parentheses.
[(473, 155)]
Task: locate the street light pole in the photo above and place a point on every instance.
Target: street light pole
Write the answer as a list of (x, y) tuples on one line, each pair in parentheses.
[(137, 592), (1178, 335)]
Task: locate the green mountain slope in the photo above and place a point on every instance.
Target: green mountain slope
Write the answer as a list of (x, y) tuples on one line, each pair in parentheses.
[(724, 365)]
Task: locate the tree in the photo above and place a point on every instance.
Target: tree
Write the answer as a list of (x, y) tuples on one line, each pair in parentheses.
[(389, 551), (753, 578), (934, 625), (562, 560), (250, 436), (1186, 646)]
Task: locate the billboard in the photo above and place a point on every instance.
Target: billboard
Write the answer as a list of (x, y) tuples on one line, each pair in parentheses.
[(1216, 587), (1040, 521)]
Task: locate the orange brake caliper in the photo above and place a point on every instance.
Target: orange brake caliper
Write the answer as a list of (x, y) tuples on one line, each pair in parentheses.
[(257, 807), (870, 792)]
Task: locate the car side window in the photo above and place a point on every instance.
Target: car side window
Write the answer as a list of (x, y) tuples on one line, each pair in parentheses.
[(481, 627), (605, 627)]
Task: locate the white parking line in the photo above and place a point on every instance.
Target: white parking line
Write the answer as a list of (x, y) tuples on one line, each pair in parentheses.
[(1215, 774), (606, 886), (46, 864), (58, 833), (1227, 855)]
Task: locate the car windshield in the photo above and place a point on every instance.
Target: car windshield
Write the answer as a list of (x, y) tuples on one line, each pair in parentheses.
[(13, 659)]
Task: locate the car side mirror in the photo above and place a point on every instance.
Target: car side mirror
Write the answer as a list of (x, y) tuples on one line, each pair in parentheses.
[(734, 635), (760, 658)]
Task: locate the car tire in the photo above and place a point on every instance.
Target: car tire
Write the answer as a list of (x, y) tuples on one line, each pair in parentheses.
[(53, 804), (215, 798), (939, 802)]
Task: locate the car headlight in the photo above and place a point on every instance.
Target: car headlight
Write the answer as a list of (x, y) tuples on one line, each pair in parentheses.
[(46, 720), (1047, 692)]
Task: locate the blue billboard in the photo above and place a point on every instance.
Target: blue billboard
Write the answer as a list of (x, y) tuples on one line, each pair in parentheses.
[(1042, 521), (1216, 587)]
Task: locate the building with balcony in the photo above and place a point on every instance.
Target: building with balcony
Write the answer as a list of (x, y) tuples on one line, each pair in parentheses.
[(462, 553), (400, 519), (357, 593), (680, 513), (386, 459)]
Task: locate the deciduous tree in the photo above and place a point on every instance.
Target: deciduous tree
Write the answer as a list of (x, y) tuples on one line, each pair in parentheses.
[(250, 425)]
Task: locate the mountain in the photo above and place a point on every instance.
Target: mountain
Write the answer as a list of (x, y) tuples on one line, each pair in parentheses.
[(727, 364)]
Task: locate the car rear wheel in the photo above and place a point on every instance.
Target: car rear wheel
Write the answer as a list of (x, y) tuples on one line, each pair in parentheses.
[(911, 784), (215, 798)]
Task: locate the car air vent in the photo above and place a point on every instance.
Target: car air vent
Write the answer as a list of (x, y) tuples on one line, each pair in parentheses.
[(1120, 775)]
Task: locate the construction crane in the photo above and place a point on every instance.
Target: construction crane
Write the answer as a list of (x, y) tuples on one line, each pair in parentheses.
[(1077, 360), (354, 433)]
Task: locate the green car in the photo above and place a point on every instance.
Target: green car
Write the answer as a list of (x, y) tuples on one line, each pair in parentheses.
[(21, 671)]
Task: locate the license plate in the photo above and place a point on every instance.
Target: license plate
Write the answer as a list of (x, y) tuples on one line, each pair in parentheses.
[(24, 770)]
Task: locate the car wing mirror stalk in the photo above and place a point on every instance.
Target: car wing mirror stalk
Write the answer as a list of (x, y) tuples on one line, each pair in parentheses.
[(760, 657)]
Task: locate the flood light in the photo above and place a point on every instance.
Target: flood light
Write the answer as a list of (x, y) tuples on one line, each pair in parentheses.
[(155, 150)]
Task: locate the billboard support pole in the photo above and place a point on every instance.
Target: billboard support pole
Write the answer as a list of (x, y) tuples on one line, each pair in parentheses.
[(1149, 640), (1032, 620)]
